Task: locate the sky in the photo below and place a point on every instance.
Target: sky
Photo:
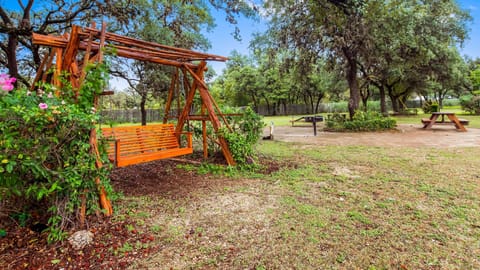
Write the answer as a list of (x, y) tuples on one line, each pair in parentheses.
[(472, 46), (223, 42)]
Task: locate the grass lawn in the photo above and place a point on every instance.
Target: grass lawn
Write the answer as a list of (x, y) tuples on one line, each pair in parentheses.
[(328, 207)]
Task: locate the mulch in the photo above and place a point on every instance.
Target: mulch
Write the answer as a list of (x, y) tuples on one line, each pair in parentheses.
[(117, 243)]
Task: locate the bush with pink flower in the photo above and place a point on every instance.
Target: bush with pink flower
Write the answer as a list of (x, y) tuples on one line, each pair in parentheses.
[(6, 83), (45, 158)]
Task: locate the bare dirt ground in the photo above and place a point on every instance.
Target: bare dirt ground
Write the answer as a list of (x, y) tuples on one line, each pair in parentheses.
[(403, 136)]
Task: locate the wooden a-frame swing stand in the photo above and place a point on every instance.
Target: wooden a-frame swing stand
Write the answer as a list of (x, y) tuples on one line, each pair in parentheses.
[(75, 50)]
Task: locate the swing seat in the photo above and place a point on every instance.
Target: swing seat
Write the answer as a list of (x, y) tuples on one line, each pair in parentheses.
[(137, 144)]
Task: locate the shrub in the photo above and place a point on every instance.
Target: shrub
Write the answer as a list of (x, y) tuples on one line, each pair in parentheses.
[(46, 160), (430, 106), (246, 130), (470, 103), (362, 121)]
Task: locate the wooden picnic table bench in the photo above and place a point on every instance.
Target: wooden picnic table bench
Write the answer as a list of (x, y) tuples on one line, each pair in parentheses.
[(308, 119), (452, 120)]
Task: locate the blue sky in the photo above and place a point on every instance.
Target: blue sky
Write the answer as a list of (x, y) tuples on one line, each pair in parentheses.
[(223, 42), (472, 46)]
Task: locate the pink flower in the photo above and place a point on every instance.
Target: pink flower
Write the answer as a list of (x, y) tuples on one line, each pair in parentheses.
[(6, 83), (43, 106)]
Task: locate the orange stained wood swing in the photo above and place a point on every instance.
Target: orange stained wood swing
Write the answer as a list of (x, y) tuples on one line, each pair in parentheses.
[(72, 53)]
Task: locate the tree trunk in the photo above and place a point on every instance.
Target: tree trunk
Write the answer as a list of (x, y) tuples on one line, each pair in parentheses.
[(12, 55), (383, 104), (394, 100), (268, 104), (305, 100), (255, 107), (143, 111), (351, 77), (319, 98)]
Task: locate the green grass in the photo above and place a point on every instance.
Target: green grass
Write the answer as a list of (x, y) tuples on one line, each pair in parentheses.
[(327, 207)]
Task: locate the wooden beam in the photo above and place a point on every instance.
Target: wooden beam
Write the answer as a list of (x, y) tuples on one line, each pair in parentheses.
[(207, 100), (204, 134), (127, 52), (156, 47), (203, 117), (71, 47), (102, 42), (188, 102), (170, 96), (40, 70), (58, 69)]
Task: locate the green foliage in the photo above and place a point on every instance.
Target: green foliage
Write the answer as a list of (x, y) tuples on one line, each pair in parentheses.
[(451, 102), (430, 106), (45, 157), (362, 121), (470, 103), (475, 78), (245, 133)]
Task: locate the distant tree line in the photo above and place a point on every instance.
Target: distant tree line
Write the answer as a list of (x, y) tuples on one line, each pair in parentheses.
[(357, 50), (313, 51)]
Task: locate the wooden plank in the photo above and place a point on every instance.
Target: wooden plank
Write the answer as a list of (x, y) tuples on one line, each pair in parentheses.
[(155, 156)]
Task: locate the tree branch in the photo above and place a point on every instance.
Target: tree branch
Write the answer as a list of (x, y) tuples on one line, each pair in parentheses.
[(3, 14)]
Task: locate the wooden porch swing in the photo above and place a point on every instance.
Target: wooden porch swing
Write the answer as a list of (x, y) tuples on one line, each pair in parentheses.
[(132, 145)]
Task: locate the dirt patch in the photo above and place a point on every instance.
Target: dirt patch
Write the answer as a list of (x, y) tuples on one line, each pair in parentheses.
[(404, 135)]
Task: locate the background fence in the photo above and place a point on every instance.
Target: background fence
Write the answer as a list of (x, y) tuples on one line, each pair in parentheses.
[(131, 116), (156, 115)]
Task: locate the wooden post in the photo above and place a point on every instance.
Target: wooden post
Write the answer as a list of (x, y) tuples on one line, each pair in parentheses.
[(40, 70), (204, 134), (104, 200), (86, 61), (58, 69), (170, 97), (69, 58)]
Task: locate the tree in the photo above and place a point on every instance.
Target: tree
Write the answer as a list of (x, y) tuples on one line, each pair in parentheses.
[(414, 49), (53, 17), (312, 29), (57, 16), (395, 45), (475, 78)]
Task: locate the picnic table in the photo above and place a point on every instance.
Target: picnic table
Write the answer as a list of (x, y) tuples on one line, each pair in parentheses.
[(452, 120), (308, 119)]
